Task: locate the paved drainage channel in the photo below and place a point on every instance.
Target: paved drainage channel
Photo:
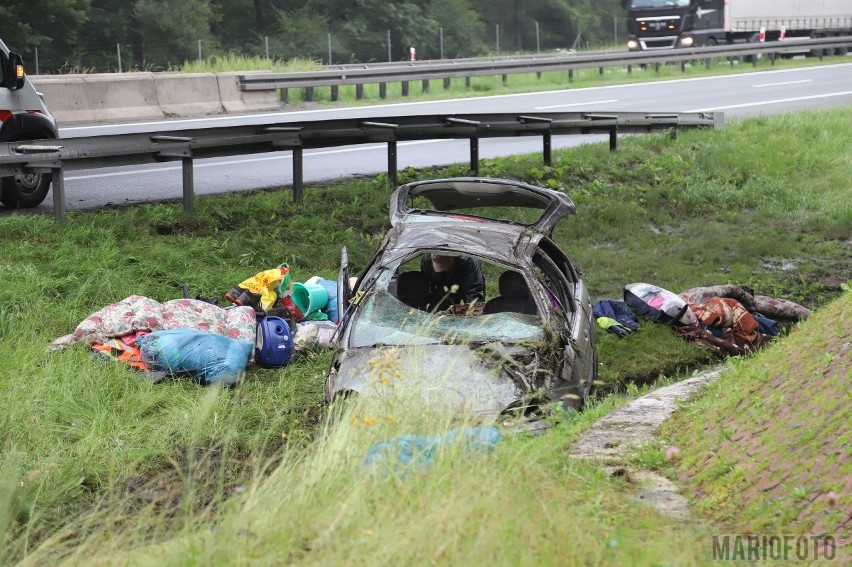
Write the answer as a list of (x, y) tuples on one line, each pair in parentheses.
[(611, 440)]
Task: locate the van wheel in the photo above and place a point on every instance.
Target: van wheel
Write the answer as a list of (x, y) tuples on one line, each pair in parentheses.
[(25, 190)]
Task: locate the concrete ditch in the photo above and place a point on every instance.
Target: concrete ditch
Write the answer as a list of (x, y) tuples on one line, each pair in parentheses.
[(615, 437)]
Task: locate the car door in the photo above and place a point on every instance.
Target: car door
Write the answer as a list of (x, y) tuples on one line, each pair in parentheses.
[(581, 321)]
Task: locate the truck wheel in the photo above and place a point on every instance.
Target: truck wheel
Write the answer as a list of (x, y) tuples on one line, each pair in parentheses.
[(25, 190)]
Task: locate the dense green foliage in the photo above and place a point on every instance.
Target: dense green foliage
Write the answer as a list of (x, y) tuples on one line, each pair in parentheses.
[(94, 460), (157, 34)]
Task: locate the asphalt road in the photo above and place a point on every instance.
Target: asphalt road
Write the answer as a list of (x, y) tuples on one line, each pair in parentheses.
[(766, 92)]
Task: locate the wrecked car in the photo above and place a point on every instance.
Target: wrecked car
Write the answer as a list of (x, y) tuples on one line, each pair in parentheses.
[(530, 344)]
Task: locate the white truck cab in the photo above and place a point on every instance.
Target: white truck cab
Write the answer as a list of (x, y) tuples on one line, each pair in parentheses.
[(23, 116)]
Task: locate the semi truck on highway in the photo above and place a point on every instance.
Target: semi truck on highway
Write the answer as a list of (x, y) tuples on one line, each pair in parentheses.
[(23, 116), (669, 24)]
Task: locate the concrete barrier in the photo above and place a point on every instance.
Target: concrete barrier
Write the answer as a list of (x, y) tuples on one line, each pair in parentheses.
[(235, 100), (66, 96), (125, 96), (121, 97), (188, 94)]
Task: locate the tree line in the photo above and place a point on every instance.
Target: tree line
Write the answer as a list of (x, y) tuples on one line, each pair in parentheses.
[(162, 34)]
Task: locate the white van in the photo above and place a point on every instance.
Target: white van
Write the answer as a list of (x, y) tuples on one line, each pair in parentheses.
[(23, 116)]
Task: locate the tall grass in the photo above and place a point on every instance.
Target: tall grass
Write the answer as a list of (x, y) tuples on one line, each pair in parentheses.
[(96, 462), (234, 62)]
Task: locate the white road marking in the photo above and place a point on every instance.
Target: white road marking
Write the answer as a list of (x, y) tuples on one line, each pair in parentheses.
[(776, 101), (782, 84), (295, 114), (287, 155), (576, 104)]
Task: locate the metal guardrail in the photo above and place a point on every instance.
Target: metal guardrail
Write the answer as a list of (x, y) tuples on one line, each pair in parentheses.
[(447, 70), (58, 156)]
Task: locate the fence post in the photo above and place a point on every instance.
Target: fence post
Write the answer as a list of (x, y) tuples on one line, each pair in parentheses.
[(199, 50), (537, 39), (118, 49), (266, 43), (389, 48), (36, 59), (329, 48), (441, 41), (497, 35)]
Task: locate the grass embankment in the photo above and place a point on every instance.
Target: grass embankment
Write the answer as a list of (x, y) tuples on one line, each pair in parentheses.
[(89, 451), (494, 85), (767, 448)]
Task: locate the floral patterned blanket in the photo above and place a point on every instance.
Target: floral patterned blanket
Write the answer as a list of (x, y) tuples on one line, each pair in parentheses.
[(138, 313), (774, 308)]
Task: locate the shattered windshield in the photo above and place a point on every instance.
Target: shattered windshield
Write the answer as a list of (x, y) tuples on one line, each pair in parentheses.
[(658, 3), (382, 319)]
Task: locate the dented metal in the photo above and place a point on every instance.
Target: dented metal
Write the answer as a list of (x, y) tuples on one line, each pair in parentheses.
[(486, 364)]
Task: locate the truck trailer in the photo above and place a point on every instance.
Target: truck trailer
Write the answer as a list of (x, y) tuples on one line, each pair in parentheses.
[(669, 24)]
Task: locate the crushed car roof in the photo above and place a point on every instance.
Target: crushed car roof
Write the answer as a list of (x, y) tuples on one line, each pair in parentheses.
[(500, 243)]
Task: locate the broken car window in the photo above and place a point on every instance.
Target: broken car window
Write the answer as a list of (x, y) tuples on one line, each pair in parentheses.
[(382, 319)]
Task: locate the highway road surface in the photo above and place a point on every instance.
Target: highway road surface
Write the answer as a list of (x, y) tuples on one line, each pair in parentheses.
[(759, 93)]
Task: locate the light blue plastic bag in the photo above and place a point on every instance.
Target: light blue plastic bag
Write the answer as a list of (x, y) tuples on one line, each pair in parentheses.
[(207, 357), (418, 451)]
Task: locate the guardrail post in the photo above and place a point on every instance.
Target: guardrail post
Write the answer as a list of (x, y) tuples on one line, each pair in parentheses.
[(392, 163), (404, 88), (359, 91), (58, 194), (657, 68), (547, 149), (298, 174), (505, 79), (334, 93), (425, 85), (309, 94), (383, 90), (600, 70), (708, 62), (446, 83), (188, 186), (474, 154), (570, 75), (613, 138), (184, 153), (467, 82), (630, 69), (683, 66)]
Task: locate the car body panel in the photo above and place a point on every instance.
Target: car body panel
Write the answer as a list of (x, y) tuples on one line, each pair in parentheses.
[(460, 193), (486, 364)]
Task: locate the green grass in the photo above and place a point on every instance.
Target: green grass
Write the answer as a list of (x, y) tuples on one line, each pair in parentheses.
[(97, 462), (494, 85)]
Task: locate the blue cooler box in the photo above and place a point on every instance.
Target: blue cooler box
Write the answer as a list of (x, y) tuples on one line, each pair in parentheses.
[(273, 344)]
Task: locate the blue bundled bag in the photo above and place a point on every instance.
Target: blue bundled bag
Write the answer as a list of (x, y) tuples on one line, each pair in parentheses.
[(418, 451), (207, 357)]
